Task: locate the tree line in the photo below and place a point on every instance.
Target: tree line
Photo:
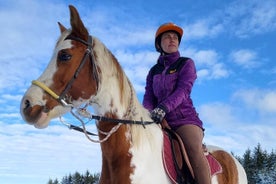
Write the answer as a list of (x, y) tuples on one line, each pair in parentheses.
[(77, 178), (259, 165)]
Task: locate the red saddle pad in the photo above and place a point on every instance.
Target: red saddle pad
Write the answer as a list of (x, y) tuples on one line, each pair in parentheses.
[(214, 165)]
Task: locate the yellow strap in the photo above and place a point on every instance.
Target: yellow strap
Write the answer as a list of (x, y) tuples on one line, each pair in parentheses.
[(45, 88)]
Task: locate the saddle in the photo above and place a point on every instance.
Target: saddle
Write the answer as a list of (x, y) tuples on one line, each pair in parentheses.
[(176, 161)]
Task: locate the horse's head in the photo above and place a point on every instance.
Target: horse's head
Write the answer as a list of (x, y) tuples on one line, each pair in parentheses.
[(59, 87)]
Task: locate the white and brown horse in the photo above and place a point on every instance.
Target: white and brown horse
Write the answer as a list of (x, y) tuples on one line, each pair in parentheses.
[(83, 71)]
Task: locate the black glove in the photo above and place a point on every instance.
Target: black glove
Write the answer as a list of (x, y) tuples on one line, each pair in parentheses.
[(157, 115)]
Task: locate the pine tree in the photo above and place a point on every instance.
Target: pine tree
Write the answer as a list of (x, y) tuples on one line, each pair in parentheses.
[(50, 181), (248, 165), (77, 178), (55, 181), (89, 178)]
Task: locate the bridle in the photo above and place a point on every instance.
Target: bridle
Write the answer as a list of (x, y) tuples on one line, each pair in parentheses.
[(63, 98)]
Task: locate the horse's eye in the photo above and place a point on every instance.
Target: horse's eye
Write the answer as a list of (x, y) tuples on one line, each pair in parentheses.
[(64, 56)]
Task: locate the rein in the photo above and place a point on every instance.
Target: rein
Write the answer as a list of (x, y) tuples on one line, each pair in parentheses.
[(83, 113)]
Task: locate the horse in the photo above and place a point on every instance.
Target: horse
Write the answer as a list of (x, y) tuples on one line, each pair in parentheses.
[(83, 72)]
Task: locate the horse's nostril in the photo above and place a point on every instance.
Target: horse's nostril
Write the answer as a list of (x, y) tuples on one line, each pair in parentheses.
[(46, 109), (27, 104)]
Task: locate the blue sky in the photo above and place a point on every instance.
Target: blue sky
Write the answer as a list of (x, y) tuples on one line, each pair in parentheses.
[(231, 42)]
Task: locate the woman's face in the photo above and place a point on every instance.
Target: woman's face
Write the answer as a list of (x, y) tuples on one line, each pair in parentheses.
[(169, 42)]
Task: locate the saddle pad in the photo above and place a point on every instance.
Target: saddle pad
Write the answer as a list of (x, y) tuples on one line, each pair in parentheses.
[(168, 159), (215, 167)]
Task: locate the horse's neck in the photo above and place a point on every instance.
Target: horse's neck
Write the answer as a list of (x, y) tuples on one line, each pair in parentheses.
[(110, 100), (115, 94), (133, 144)]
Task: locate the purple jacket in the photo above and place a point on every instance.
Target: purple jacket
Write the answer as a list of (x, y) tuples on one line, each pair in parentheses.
[(168, 86)]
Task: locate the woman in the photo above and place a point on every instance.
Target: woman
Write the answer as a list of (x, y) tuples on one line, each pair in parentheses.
[(168, 88)]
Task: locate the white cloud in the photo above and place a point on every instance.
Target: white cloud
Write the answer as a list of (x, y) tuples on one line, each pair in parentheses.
[(203, 28), (32, 155), (125, 37), (219, 71), (206, 57), (9, 97), (136, 66), (29, 31), (217, 115), (207, 63), (8, 115), (203, 73), (19, 28), (262, 100), (251, 17), (9, 106), (230, 127), (243, 19), (141, 58), (245, 58)]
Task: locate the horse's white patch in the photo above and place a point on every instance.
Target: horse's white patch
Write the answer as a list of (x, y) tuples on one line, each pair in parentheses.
[(146, 150)]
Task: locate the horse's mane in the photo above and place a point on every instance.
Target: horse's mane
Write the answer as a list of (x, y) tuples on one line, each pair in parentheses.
[(105, 59), (110, 68)]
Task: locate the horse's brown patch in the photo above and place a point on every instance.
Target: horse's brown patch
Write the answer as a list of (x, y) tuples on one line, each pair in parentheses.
[(229, 173), (116, 160)]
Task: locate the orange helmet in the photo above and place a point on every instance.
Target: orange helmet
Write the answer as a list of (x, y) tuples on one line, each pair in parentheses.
[(164, 28)]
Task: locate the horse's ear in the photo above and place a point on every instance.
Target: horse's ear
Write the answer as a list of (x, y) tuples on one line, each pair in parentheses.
[(78, 28), (61, 27)]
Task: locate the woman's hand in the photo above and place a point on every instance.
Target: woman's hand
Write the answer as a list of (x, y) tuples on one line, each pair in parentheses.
[(157, 115)]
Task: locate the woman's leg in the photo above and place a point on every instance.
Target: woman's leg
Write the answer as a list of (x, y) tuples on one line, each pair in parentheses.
[(192, 137)]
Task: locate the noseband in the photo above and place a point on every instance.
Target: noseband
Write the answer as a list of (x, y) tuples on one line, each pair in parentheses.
[(63, 98)]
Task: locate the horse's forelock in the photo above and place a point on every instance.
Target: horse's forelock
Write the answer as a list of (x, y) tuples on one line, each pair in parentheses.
[(62, 43)]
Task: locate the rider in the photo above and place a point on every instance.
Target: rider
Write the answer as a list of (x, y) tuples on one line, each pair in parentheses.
[(167, 95)]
